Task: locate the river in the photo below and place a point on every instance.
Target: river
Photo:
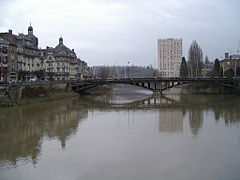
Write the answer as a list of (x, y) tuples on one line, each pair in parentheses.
[(125, 135)]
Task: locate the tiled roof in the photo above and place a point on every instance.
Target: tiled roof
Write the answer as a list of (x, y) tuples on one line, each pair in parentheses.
[(61, 49)]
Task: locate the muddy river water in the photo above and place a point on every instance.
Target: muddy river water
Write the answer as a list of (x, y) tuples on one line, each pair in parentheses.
[(126, 135)]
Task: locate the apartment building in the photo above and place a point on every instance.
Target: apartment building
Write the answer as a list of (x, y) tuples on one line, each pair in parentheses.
[(169, 57)]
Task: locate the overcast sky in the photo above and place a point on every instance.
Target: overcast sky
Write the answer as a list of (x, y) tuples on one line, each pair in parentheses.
[(112, 32)]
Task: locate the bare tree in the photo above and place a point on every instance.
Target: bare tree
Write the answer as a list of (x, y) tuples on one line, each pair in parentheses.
[(104, 72), (206, 60), (195, 58)]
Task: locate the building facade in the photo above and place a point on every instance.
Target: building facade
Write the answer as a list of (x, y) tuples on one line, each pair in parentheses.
[(4, 60), (59, 63), (231, 62), (82, 70), (28, 55), (24, 55), (21, 59), (169, 55)]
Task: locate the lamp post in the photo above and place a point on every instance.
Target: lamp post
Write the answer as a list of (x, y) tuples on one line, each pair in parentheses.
[(128, 68)]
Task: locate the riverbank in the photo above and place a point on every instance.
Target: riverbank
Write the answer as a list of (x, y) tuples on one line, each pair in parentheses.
[(33, 95), (50, 97)]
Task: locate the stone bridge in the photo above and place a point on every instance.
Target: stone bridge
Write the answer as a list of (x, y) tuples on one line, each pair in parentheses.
[(156, 84), (15, 91)]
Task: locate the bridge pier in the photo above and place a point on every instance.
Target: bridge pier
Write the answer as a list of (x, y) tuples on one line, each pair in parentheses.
[(68, 87), (158, 93), (155, 86), (149, 85)]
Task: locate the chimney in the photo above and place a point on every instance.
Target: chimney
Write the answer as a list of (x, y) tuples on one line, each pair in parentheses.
[(226, 55), (10, 31), (72, 50)]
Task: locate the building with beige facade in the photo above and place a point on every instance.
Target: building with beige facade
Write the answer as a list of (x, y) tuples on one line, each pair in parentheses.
[(21, 59), (169, 55), (59, 62)]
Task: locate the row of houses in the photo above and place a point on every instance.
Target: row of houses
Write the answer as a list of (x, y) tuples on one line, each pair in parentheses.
[(21, 59)]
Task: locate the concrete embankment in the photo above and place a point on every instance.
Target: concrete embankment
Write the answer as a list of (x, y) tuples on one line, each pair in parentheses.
[(17, 94)]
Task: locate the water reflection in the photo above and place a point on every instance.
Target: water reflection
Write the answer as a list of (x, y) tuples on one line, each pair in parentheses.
[(145, 139), (172, 108), (23, 128), (195, 120), (170, 121)]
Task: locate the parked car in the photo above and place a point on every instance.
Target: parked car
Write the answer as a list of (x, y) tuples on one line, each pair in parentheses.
[(12, 81), (32, 80)]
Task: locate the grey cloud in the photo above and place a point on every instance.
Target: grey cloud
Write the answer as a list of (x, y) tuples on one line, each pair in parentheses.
[(106, 31)]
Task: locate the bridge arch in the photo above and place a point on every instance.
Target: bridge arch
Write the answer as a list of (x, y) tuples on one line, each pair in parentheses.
[(155, 84)]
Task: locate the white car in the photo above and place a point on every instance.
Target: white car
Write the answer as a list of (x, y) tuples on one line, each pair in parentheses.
[(32, 80)]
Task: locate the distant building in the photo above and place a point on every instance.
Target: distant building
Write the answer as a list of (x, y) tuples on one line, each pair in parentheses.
[(83, 71), (230, 62), (207, 69), (169, 57)]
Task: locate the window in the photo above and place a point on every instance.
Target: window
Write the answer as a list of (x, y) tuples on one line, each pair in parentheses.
[(4, 59), (4, 50)]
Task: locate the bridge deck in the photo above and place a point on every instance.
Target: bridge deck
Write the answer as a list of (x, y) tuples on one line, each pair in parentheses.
[(155, 84)]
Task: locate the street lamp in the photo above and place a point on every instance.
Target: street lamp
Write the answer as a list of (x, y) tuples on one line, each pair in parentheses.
[(128, 68)]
